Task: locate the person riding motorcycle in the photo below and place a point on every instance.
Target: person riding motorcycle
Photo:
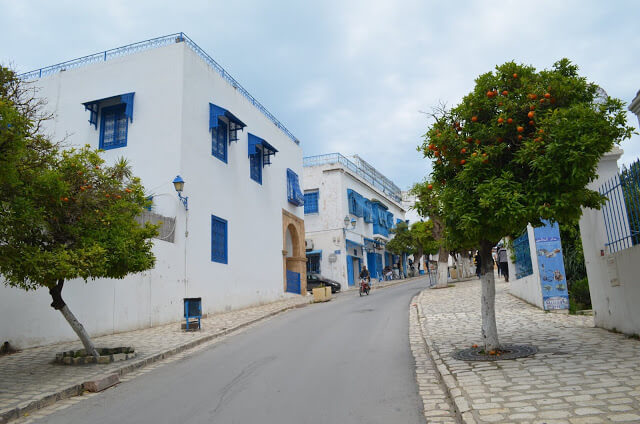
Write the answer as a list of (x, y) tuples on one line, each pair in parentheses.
[(364, 275)]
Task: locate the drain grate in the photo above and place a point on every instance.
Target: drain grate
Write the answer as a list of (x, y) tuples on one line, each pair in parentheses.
[(506, 352)]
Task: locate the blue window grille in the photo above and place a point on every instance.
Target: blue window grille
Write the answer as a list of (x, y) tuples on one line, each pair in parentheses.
[(218, 240), (255, 167), (313, 263), (219, 141), (311, 201), (522, 252), (294, 194), (622, 210), (257, 144), (113, 127), (356, 203)]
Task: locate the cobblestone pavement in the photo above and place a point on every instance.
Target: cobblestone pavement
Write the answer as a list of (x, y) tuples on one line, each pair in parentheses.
[(29, 381), (435, 400), (580, 375)]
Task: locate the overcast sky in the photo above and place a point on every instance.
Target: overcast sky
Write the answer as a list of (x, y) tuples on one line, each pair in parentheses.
[(349, 76)]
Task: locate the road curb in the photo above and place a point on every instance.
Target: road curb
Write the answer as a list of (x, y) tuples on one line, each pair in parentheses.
[(456, 395), (30, 406)]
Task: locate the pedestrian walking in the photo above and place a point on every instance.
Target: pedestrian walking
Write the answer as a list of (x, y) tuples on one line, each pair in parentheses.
[(503, 262)]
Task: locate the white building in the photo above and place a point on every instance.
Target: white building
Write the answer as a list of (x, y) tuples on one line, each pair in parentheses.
[(170, 109), (349, 209)]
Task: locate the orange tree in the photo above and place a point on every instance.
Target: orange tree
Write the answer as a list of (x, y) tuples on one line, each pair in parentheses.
[(63, 214), (521, 147)]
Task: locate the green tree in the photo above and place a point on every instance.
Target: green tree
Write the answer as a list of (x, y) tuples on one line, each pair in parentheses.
[(63, 214), (521, 147), (416, 240)]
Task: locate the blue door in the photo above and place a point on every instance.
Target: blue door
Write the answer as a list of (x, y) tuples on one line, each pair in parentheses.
[(371, 263), (350, 270), (293, 282), (378, 266)]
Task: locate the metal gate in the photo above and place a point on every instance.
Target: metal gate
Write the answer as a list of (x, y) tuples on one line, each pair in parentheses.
[(293, 282)]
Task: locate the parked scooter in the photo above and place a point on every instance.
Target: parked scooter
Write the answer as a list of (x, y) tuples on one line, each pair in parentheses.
[(364, 286)]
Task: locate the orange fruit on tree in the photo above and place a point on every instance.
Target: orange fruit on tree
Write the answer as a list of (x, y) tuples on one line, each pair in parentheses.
[(474, 119), (489, 94), (484, 155), (463, 150), (430, 186), (541, 101), (500, 120), (505, 92), (106, 195), (469, 139), (515, 75), (520, 129), (519, 137), (541, 131), (462, 162), (547, 95), (509, 121), (478, 142), (474, 154), (436, 153), (533, 96), (531, 114), (531, 123)]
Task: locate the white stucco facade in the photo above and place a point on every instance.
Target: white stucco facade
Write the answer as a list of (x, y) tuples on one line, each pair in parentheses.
[(169, 135), (613, 275), (343, 250)]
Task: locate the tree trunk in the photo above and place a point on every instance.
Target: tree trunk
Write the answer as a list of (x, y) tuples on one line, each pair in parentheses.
[(417, 258), (443, 268), (489, 328), (59, 304)]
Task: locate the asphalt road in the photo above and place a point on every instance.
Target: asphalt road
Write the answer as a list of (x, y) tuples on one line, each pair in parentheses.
[(345, 361)]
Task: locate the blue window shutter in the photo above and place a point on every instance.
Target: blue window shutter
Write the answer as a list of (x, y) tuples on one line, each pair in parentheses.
[(219, 242), (255, 166), (311, 202), (294, 195), (113, 127), (219, 141)]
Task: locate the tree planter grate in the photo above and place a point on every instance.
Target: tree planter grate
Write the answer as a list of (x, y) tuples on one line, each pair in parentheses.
[(106, 356), (506, 352)]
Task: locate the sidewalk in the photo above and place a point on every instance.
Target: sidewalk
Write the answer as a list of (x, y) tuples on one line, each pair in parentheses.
[(29, 381), (581, 374)]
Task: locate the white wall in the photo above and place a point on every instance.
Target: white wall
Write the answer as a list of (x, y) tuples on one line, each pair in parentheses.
[(169, 135), (613, 281)]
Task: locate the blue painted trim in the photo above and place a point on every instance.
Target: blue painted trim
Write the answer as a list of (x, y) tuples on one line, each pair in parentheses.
[(219, 142), (215, 112), (294, 194), (314, 252), (311, 199), (105, 111), (255, 167), (220, 223), (94, 106)]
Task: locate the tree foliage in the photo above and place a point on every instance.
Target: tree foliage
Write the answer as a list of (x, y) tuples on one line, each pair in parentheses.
[(64, 214), (521, 147)]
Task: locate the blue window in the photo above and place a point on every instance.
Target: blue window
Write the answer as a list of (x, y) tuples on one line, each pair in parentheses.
[(255, 166), (294, 195), (219, 141), (313, 262), (113, 127), (311, 201), (218, 240)]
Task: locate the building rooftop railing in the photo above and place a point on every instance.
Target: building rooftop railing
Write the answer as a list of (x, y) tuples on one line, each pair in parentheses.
[(151, 44), (360, 168)]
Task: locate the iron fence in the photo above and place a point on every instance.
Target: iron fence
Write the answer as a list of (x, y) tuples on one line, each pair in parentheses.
[(362, 169), (622, 209), (151, 44)]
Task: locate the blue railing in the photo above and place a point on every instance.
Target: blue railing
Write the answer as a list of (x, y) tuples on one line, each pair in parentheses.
[(151, 44), (360, 168), (622, 210)]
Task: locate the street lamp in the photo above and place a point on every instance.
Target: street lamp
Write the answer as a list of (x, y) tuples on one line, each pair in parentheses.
[(348, 220), (178, 184)]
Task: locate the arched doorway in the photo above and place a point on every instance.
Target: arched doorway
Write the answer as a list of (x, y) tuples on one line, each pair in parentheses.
[(293, 252)]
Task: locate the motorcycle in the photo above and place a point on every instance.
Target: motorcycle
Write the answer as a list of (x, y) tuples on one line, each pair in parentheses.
[(364, 287)]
